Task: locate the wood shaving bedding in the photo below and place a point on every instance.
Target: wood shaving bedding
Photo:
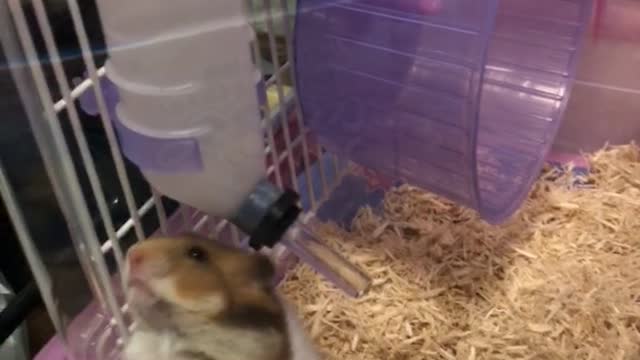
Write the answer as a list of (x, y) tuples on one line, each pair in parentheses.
[(560, 280)]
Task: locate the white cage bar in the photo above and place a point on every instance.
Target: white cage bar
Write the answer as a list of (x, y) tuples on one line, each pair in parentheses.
[(99, 337)]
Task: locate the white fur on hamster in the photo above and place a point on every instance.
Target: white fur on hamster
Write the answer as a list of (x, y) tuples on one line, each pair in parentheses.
[(164, 345)]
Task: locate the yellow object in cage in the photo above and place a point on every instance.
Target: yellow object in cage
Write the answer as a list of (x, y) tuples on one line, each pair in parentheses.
[(273, 100)]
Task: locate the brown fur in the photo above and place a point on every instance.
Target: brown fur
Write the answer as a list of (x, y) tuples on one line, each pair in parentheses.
[(227, 291)]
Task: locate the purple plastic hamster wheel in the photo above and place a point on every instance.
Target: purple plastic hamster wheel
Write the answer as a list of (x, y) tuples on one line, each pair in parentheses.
[(460, 97)]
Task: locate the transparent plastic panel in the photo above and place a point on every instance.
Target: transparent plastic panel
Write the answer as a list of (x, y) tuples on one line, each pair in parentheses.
[(463, 98), (394, 87), (605, 103), (524, 95)]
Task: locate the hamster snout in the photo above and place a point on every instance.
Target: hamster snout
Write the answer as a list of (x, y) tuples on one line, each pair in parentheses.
[(145, 262), (199, 275), (135, 259)]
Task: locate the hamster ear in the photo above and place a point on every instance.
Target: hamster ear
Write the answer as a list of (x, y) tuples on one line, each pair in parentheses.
[(264, 270)]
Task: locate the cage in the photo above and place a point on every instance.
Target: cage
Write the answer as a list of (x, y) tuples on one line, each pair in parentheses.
[(81, 188), (76, 203)]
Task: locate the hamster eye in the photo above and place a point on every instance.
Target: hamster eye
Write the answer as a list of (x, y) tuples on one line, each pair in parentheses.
[(197, 253)]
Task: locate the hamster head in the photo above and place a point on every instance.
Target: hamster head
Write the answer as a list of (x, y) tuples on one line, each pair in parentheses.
[(195, 275)]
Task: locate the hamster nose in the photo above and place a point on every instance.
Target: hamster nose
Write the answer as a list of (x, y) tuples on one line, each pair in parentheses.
[(145, 264), (136, 259)]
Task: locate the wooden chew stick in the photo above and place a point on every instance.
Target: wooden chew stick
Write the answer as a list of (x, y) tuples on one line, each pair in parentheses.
[(326, 261)]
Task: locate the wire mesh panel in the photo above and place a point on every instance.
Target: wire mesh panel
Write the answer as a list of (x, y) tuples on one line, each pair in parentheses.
[(75, 203)]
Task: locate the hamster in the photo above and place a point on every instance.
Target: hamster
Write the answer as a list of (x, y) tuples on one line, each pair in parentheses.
[(194, 299)]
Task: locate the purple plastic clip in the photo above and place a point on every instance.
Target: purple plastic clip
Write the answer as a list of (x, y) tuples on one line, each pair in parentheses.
[(147, 152)]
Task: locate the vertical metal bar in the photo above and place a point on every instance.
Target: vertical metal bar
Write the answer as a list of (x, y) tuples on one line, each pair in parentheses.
[(102, 342), (66, 185), (160, 210), (274, 155), (284, 123), (266, 127), (61, 78), (301, 125), (85, 49), (36, 264), (25, 87)]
